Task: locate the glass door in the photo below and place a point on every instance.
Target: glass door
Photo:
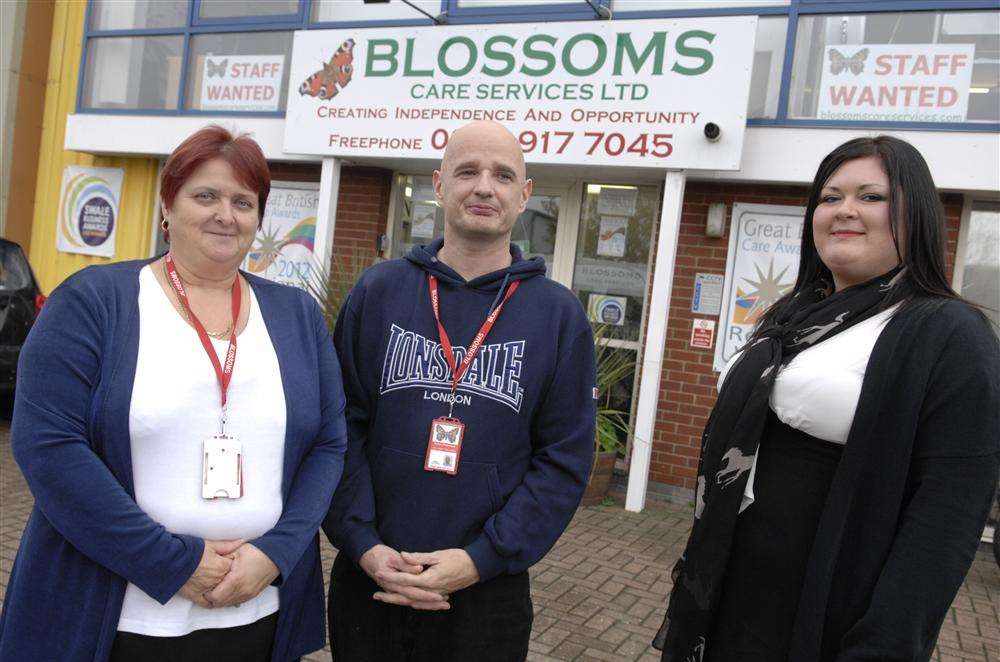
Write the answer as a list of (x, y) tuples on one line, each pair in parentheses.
[(611, 272)]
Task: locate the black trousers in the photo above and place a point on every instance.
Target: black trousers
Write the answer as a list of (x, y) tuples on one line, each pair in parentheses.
[(487, 622), (244, 643), (771, 548)]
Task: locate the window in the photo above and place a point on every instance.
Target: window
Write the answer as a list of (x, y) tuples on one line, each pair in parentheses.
[(137, 14), (979, 280), (330, 11), (133, 72), (910, 67), (768, 56), (667, 5), (239, 71), (242, 8)]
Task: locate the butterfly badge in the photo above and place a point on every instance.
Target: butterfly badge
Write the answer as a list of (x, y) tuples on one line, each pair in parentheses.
[(216, 68), (448, 434), (855, 64), (334, 76)]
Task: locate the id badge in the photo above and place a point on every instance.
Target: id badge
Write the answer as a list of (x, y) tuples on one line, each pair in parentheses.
[(222, 471), (444, 445)]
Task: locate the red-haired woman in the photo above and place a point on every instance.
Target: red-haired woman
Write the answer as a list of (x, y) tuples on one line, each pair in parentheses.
[(180, 425)]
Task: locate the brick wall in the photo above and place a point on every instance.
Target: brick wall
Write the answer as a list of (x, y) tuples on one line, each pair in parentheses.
[(687, 382)]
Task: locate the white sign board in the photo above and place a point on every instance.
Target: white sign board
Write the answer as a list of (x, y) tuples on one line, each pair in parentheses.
[(707, 298), (242, 82), (283, 248), (896, 82), (89, 204), (702, 333), (761, 267), (630, 93)]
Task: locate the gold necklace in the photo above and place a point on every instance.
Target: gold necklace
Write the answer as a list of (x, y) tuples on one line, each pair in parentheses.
[(219, 335)]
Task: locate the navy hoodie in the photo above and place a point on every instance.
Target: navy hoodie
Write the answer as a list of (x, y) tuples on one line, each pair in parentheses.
[(527, 401)]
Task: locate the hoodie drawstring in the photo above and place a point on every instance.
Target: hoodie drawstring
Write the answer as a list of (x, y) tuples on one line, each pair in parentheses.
[(503, 286)]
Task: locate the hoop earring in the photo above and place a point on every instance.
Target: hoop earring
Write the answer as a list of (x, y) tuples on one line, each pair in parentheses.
[(165, 227)]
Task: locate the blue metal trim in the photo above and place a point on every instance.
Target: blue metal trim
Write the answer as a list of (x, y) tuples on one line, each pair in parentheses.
[(82, 71), (711, 11), (197, 20), (140, 32), (567, 12), (369, 24), (835, 6), (967, 127), (279, 114), (787, 61)]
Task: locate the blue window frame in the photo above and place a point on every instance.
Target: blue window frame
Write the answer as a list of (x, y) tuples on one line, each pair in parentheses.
[(580, 10)]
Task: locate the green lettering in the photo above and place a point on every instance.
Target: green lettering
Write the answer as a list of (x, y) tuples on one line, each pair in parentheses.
[(408, 69), (542, 56), (567, 60), (491, 53), (442, 56), (704, 55), (388, 56), (624, 46)]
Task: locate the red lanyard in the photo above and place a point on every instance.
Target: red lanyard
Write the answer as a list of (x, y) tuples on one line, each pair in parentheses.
[(223, 372), (477, 342)]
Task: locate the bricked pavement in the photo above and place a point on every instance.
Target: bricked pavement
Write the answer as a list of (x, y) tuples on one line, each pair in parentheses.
[(600, 592)]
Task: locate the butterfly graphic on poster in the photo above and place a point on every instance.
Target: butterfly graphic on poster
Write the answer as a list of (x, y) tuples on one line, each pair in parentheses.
[(216, 68), (444, 434), (839, 62), (335, 74)]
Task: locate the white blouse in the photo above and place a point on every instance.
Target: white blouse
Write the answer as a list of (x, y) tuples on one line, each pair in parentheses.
[(817, 391), (175, 406)]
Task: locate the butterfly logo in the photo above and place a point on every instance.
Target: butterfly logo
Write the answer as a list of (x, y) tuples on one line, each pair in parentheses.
[(444, 434), (216, 69), (335, 74), (839, 62)]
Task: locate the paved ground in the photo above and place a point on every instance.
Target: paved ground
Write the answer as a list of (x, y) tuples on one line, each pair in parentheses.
[(600, 593)]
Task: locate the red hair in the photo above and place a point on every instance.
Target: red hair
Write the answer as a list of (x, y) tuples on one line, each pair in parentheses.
[(241, 152)]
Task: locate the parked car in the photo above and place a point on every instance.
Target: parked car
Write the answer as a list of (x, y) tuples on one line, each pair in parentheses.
[(20, 302)]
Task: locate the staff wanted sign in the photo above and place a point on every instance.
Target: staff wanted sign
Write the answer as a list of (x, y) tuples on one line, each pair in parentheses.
[(896, 82), (241, 82)]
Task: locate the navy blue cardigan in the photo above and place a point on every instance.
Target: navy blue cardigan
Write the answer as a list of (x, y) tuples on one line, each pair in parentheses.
[(86, 537)]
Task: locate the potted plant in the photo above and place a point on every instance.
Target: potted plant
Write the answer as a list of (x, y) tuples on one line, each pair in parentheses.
[(331, 286), (613, 365)]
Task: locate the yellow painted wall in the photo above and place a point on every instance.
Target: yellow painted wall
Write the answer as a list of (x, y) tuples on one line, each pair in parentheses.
[(135, 214)]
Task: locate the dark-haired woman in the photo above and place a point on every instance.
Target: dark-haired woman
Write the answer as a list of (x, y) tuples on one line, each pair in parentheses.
[(849, 463), (180, 425)]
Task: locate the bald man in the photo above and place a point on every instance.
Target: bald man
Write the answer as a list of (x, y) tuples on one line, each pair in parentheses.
[(470, 386)]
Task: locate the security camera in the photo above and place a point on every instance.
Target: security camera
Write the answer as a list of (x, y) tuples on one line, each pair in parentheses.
[(713, 132)]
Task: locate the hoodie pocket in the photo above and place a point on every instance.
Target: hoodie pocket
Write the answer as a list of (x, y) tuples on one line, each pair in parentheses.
[(422, 511)]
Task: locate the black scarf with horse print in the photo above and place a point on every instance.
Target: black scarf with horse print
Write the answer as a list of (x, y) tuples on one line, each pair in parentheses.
[(729, 446)]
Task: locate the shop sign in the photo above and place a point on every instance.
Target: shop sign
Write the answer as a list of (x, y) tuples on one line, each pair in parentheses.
[(629, 93), (761, 267), (625, 278), (605, 309), (89, 204), (284, 248), (702, 333), (707, 299), (242, 82), (896, 82)]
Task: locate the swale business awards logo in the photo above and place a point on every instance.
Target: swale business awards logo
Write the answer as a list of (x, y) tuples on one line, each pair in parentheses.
[(88, 210)]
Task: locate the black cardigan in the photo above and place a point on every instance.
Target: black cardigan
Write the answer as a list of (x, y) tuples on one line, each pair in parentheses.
[(911, 493)]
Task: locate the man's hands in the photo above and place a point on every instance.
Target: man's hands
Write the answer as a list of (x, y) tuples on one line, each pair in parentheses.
[(438, 575), (384, 564), (216, 560), (230, 573)]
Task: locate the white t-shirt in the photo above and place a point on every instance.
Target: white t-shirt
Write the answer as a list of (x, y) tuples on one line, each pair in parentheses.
[(817, 391), (175, 407)]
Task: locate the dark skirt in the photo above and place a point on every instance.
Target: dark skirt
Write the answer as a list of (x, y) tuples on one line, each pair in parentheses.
[(773, 540)]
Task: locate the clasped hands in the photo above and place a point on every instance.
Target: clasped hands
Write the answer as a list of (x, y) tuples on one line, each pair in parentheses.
[(230, 573), (418, 580)]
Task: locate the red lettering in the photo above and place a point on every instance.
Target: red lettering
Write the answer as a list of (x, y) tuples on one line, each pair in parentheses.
[(943, 96), (921, 66), (867, 96), (908, 91), (887, 95), (883, 64), (957, 62), (840, 96), (940, 60), (926, 96)]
